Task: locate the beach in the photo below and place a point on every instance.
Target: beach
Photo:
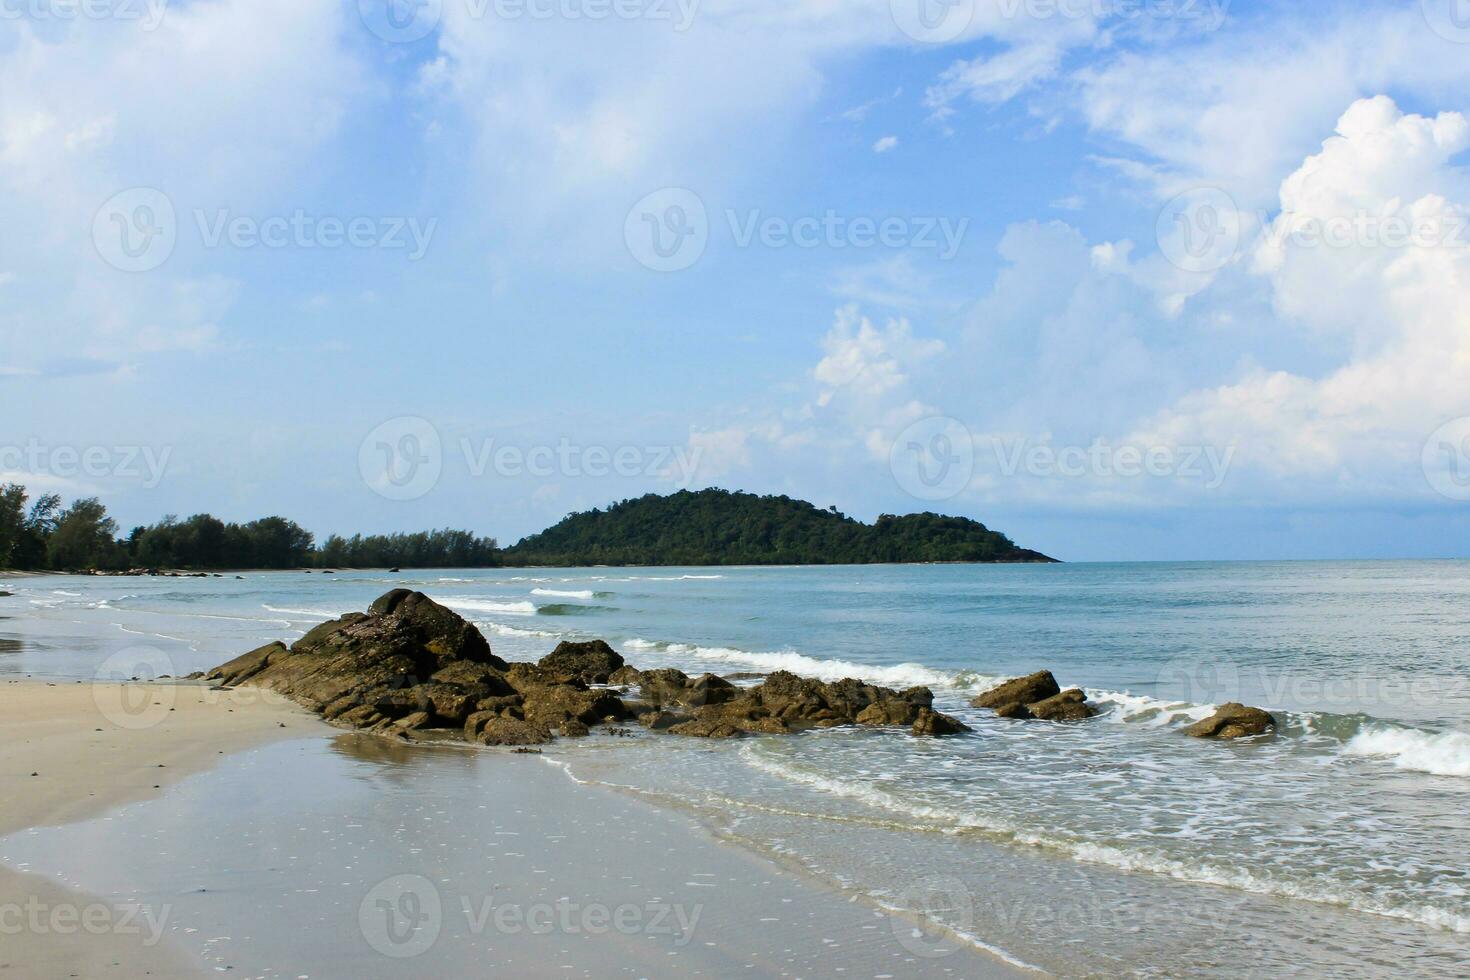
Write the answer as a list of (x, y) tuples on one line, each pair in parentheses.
[(610, 885), (1111, 845)]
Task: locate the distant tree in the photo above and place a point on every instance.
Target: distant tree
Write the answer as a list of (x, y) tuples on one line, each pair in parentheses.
[(85, 538), (12, 523)]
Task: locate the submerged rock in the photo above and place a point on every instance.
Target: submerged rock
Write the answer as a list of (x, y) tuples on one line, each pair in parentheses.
[(1023, 690), (1036, 696), (931, 723), (1233, 721), (788, 703)]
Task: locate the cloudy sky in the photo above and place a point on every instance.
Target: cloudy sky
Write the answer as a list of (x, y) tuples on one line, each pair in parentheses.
[(1133, 279)]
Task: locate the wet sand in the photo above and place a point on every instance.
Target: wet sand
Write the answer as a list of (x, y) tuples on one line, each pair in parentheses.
[(572, 847), (72, 751)]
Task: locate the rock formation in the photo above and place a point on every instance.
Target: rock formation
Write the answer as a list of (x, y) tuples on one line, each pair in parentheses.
[(1036, 696), (411, 667)]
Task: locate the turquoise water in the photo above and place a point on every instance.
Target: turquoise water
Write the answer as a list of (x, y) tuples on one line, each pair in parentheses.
[(1118, 844)]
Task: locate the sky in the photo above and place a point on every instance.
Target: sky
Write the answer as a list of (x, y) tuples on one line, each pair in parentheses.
[(1125, 279)]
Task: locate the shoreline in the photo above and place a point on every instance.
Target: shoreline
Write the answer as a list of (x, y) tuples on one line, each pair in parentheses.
[(50, 727)]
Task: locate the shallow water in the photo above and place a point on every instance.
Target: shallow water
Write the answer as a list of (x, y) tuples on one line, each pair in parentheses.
[(1114, 845)]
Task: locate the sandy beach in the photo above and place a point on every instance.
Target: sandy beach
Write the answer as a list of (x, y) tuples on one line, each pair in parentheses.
[(719, 909), (64, 757)]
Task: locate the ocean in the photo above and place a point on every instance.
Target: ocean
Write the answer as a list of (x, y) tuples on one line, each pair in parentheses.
[(1117, 845)]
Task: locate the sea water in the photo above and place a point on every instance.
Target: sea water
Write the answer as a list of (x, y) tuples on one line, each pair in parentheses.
[(1115, 845)]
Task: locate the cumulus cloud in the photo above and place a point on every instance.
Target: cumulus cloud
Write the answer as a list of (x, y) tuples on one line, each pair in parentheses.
[(1342, 260)]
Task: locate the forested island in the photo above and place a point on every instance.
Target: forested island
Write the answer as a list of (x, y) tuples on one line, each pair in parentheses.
[(720, 527), (706, 527)]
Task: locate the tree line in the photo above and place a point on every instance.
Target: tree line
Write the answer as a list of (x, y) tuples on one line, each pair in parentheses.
[(43, 535), (706, 527)]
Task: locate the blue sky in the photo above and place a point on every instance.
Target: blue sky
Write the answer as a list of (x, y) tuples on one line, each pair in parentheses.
[(1140, 290)]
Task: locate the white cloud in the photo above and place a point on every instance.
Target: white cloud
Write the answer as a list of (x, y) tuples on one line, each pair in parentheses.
[(1398, 314), (885, 143), (217, 107)]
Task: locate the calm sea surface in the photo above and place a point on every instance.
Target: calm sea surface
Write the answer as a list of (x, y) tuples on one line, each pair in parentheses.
[(1118, 845)]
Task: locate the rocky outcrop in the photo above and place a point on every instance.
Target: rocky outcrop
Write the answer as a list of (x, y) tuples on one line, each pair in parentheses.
[(931, 723), (1036, 696), (593, 661), (407, 654), (788, 703), (412, 668), (1023, 690), (1233, 721), (668, 686)]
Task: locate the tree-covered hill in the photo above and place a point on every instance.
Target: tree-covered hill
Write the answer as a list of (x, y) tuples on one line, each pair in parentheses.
[(717, 527)]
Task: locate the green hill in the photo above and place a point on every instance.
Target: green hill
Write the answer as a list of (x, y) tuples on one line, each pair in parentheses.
[(717, 527)]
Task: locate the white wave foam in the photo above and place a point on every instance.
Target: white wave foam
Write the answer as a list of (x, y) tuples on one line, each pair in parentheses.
[(1442, 754), (504, 629), (1140, 709), (320, 614), (900, 675), (566, 593), (69, 595), (490, 606), (948, 819)]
